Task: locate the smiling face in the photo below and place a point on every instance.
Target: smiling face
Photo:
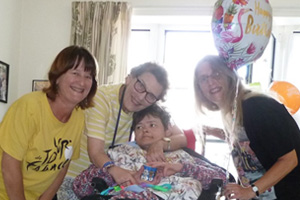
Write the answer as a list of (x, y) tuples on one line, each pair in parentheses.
[(212, 83), (74, 85), (134, 100), (148, 131)]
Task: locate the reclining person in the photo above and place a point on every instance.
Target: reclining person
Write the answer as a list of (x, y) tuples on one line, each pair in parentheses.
[(151, 125)]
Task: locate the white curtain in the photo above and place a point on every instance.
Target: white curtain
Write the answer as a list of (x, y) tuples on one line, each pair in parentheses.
[(103, 28)]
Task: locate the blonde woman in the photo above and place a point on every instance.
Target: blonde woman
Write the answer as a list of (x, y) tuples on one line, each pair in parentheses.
[(264, 138)]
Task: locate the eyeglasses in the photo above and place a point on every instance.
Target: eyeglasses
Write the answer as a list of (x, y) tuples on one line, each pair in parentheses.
[(140, 88), (203, 79)]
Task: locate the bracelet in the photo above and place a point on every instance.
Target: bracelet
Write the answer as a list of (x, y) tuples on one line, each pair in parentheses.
[(107, 165)]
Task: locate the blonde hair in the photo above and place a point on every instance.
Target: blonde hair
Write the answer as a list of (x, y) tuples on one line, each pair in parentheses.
[(232, 112)]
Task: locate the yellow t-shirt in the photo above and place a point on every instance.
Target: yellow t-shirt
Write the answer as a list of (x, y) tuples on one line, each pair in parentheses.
[(31, 134), (100, 123)]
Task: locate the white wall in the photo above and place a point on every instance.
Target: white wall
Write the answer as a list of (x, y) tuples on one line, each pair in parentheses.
[(10, 16), (34, 31), (45, 31)]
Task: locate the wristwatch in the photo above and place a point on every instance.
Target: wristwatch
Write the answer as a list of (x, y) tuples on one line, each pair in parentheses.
[(168, 140), (255, 189)]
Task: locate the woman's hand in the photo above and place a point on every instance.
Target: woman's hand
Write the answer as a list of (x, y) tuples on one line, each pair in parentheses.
[(236, 191), (167, 169), (122, 176)]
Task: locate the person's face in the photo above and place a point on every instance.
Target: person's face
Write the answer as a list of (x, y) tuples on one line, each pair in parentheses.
[(212, 84), (148, 131), (74, 85), (141, 92)]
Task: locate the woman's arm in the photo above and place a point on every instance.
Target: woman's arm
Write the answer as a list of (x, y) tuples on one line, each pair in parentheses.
[(98, 157), (277, 172), (217, 132), (52, 189), (13, 178), (178, 139), (96, 151), (272, 133)]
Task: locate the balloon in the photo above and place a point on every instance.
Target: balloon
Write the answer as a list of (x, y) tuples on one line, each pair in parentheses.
[(241, 30), (287, 94)]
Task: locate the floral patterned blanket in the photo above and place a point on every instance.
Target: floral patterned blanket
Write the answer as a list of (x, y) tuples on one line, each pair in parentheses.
[(195, 175), (132, 157)]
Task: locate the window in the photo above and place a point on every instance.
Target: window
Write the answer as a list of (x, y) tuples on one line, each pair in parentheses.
[(293, 69), (183, 49), (180, 52), (139, 48), (261, 71), (178, 48)]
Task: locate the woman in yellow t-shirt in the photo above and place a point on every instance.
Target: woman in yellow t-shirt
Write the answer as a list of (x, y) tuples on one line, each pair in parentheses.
[(40, 133)]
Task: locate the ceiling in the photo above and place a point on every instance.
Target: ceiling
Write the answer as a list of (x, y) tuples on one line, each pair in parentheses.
[(281, 8)]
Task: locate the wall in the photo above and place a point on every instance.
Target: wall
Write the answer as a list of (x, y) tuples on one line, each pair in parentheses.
[(45, 31), (34, 31), (10, 20)]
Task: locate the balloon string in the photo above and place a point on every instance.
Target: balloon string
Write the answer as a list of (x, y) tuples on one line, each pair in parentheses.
[(234, 113)]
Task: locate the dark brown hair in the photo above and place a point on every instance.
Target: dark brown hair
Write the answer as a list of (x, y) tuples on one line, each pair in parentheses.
[(69, 58), (155, 111)]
